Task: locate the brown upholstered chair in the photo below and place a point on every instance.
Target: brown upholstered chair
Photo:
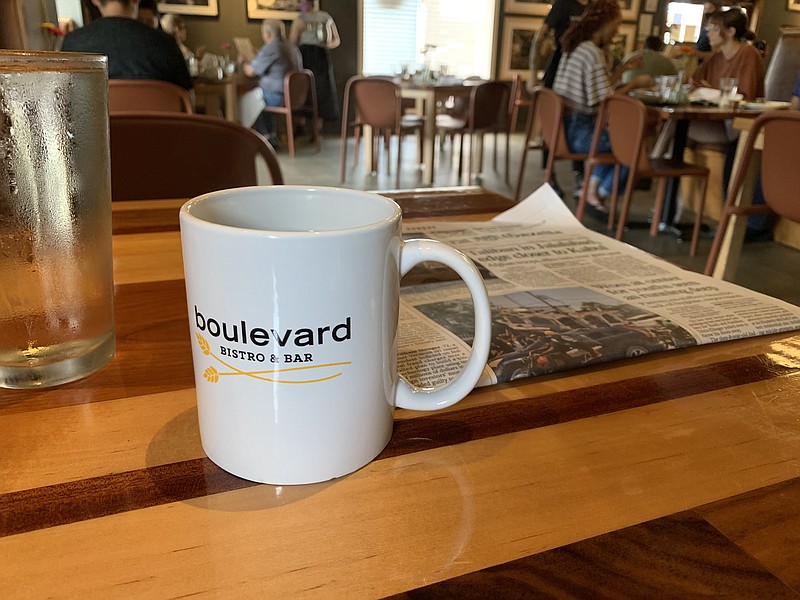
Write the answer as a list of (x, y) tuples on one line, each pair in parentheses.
[(376, 103), (300, 97), (172, 155), (780, 177), (126, 95), (487, 113), (626, 120)]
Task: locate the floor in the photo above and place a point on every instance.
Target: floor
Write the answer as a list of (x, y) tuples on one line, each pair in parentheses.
[(767, 267)]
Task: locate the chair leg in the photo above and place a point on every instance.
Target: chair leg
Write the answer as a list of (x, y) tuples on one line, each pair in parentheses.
[(523, 160), (626, 205), (587, 175), (290, 132), (356, 139), (659, 206), (698, 219), (343, 152), (612, 209), (399, 154)]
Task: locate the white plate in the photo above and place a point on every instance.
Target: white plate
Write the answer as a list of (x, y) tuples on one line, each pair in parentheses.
[(764, 106)]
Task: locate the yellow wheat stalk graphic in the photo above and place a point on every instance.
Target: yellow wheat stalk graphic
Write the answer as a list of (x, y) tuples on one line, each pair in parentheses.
[(212, 375)]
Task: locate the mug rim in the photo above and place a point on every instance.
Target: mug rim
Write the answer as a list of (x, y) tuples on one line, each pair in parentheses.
[(46, 61), (187, 215)]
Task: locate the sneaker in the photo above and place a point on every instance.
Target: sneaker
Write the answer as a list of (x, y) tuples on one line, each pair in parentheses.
[(576, 191)]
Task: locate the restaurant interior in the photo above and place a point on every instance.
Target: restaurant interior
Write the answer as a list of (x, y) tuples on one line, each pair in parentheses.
[(662, 463)]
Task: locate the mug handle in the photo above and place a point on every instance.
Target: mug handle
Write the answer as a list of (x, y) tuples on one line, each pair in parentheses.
[(414, 398)]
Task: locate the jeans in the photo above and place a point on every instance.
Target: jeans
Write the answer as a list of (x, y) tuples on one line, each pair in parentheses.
[(265, 124), (579, 129)]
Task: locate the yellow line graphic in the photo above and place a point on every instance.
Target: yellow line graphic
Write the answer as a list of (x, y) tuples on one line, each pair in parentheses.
[(212, 375)]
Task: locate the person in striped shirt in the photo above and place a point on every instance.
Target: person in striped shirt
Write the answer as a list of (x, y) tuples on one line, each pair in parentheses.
[(583, 81)]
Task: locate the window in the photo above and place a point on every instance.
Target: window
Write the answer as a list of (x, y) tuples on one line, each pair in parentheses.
[(452, 34)]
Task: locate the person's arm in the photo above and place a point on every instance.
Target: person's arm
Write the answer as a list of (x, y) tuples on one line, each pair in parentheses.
[(632, 63), (333, 34), (535, 46), (297, 28)]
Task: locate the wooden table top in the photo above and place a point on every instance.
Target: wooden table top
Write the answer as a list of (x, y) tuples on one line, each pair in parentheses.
[(669, 475)]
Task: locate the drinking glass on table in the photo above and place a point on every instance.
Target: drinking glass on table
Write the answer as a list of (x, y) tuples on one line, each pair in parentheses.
[(728, 88)]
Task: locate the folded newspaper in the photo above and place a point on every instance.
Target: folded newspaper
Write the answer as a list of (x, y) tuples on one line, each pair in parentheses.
[(562, 297)]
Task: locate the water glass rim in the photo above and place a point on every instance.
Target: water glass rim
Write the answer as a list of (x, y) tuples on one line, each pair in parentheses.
[(42, 60)]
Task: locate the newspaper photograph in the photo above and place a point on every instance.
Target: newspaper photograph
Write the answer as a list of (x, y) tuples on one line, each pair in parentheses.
[(563, 297)]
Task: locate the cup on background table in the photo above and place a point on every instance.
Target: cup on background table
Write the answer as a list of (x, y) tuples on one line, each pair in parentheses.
[(293, 297), (728, 88), (56, 280)]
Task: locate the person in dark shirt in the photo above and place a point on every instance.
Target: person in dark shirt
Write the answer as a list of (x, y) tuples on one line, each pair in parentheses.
[(134, 50), (704, 50)]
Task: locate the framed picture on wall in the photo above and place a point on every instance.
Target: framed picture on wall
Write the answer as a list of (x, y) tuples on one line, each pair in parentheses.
[(284, 10), (630, 9), (518, 34), (794, 5), (624, 42), (528, 7), (204, 8)]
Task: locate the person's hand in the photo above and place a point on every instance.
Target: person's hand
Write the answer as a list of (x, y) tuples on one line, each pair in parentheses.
[(700, 83), (248, 70), (635, 62), (201, 50), (642, 81)]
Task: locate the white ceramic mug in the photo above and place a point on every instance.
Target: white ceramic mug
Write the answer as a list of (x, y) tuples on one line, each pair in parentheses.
[(293, 297)]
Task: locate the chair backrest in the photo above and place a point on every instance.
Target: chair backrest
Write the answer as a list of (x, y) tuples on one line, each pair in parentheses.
[(625, 119), (126, 95), (780, 177), (296, 88), (172, 155), (488, 105), (783, 67), (376, 101), (519, 94), (550, 108)]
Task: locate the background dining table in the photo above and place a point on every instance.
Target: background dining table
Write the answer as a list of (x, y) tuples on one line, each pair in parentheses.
[(674, 474)]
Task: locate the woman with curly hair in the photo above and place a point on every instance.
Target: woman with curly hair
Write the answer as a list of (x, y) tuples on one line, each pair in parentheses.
[(583, 81)]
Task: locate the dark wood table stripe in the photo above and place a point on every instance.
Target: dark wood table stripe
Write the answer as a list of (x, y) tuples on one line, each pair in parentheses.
[(422, 203), (681, 556), (48, 506)]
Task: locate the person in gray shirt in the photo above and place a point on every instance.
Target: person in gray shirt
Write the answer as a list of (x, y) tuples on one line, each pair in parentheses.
[(274, 59)]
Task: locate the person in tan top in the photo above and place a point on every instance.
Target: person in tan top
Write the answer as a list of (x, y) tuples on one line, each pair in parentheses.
[(727, 33)]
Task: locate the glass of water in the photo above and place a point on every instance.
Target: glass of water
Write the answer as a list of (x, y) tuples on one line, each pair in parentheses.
[(728, 88), (56, 283)]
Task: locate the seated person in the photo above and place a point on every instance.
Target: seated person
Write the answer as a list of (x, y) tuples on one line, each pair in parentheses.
[(655, 63), (796, 94), (583, 81), (148, 13), (274, 59), (175, 26), (134, 50)]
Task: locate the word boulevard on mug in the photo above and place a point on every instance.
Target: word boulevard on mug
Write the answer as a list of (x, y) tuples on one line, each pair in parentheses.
[(293, 297)]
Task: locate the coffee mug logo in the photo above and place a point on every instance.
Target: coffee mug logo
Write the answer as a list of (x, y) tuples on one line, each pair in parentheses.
[(260, 337)]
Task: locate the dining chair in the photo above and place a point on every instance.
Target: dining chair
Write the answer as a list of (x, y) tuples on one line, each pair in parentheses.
[(780, 177), (375, 103), (518, 98), (172, 155), (300, 98), (487, 113), (548, 109), (147, 94), (626, 121)]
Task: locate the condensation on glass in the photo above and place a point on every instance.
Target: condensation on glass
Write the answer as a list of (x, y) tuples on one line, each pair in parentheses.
[(56, 283)]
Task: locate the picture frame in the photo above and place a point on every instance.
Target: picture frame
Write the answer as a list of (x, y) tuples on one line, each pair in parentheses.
[(630, 9), (518, 35), (203, 8), (794, 5), (528, 7), (624, 42), (283, 10)]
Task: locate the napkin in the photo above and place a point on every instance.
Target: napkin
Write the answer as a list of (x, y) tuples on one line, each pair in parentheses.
[(710, 95)]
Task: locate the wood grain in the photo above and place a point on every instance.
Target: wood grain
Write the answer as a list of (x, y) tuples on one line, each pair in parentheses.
[(92, 497), (680, 556)]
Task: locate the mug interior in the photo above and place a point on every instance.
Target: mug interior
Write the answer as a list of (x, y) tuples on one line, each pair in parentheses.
[(292, 209)]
